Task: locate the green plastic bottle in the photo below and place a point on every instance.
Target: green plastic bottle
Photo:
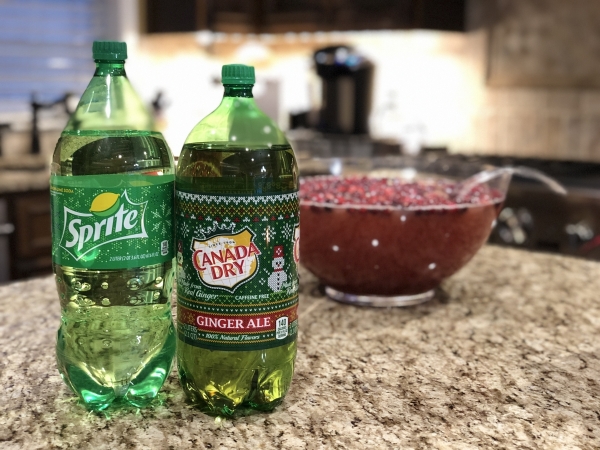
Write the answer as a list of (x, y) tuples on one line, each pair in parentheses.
[(112, 181), (237, 233)]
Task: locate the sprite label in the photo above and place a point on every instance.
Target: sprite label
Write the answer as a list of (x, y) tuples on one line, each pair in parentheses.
[(112, 221), (237, 270)]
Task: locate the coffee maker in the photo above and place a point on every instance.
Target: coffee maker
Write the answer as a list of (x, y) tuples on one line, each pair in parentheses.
[(347, 80)]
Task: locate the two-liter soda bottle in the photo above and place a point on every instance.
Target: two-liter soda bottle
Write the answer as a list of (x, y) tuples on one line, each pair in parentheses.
[(237, 236), (112, 230)]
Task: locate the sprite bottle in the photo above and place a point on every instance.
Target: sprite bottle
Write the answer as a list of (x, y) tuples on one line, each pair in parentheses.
[(237, 236), (112, 182)]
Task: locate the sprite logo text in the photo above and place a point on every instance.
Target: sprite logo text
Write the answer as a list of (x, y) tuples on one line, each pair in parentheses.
[(87, 231), (112, 221)]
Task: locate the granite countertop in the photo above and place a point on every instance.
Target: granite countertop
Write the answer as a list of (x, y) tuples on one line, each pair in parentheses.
[(505, 356)]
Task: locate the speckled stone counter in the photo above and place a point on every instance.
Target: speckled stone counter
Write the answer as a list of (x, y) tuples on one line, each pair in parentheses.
[(505, 356)]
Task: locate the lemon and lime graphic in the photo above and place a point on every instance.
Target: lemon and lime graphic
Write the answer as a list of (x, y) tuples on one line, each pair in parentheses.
[(105, 204)]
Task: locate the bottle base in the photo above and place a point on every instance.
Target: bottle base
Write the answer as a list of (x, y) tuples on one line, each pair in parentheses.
[(218, 405), (237, 392), (99, 388), (223, 409), (96, 397)]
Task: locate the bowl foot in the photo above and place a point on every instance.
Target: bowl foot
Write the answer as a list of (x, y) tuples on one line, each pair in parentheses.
[(380, 301)]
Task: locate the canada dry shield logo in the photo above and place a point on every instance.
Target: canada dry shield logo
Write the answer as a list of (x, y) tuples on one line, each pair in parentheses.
[(226, 261)]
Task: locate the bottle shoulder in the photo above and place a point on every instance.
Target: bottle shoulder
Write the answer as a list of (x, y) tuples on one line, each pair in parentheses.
[(239, 121), (110, 103)]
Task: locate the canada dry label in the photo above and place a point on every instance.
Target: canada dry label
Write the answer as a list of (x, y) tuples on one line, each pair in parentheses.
[(237, 270), (112, 221)]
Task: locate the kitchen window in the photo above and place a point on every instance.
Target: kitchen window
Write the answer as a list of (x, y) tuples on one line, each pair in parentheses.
[(45, 50)]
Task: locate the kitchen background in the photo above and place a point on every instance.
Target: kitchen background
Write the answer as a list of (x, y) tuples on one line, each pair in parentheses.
[(490, 78)]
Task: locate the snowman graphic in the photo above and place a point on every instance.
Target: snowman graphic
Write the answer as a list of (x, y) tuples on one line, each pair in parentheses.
[(278, 277)]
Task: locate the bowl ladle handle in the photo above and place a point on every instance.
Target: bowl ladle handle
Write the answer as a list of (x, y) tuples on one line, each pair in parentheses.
[(466, 186)]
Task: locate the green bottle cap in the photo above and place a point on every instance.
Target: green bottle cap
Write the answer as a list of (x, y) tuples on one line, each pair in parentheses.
[(237, 74), (109, 50)]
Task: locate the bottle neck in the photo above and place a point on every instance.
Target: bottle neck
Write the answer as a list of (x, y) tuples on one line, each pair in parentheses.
[(238, 90), (114, 68)]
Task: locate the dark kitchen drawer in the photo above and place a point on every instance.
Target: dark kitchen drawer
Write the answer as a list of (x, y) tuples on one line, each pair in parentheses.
[(32, 224), (31, 241)]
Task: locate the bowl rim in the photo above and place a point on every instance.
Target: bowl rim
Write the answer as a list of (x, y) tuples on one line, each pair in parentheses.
[(390, 208)]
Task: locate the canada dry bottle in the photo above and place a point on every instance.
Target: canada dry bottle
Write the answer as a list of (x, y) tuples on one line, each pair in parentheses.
[(237, 233), (112, 232)]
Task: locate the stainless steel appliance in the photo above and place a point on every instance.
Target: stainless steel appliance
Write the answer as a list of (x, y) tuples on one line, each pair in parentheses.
[(537, 219)]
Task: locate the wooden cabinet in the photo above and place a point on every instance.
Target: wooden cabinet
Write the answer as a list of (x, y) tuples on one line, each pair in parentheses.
[(280, 16), (30, 242)]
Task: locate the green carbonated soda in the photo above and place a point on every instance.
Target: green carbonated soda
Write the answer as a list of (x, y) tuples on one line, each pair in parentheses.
[(112, 232), (237, 235)]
